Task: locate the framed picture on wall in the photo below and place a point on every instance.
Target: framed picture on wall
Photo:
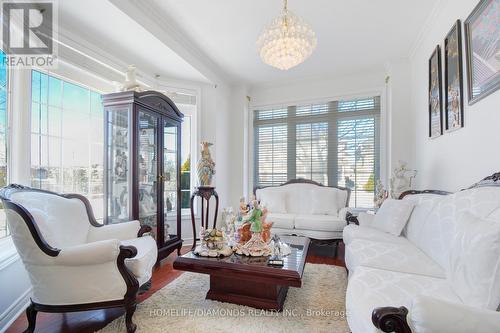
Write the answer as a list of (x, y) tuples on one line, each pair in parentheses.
[(453, 79), (482, 39), (435, 98)]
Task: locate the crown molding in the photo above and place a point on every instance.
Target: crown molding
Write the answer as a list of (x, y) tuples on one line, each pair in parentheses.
[(156, 21), (84, 54), (428, 25)]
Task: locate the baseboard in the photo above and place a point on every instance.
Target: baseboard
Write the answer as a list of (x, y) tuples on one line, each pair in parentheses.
[(13, 311)]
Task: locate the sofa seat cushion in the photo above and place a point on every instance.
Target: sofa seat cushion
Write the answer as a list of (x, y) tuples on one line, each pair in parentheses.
[(370, 288), (353, 232), (401, 257), (281, 221), (142, 264), (319, 222)]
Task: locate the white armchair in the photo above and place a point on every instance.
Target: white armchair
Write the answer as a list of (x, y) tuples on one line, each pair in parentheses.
[(74, 262)]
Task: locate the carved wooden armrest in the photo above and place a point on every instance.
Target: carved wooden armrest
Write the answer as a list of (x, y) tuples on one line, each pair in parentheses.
[(144, 229), (350, 218), (390, 319)]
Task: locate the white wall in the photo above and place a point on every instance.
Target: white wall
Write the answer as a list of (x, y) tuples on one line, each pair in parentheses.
[(15, 284), (399, 118), (315, 89), (457, 159)]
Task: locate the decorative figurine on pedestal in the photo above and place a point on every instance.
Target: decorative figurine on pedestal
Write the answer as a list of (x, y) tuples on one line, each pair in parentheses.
[(206, 166), (401, 179)]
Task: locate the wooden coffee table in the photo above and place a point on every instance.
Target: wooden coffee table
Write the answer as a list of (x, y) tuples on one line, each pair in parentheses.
[(249, 280)]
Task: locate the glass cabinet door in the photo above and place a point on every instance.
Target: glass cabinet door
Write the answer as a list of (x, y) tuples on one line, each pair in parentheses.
[(148, 170), (118, 180), (170, 177)]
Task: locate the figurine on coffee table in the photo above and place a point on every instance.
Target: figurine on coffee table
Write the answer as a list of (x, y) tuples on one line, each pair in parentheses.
[(255, 218), (256, 246), (244, 207)]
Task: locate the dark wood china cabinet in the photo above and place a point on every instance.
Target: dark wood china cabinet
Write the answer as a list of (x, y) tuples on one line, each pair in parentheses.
[(142, 164)]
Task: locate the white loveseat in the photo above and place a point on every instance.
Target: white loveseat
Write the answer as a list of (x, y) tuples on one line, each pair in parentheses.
[(73, 262), (441, 275), (306, 208)]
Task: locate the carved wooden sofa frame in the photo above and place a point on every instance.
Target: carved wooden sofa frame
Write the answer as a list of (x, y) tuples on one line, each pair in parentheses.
[(128, 302)]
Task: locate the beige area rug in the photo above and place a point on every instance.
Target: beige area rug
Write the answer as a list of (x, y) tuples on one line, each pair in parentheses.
[(319, 306)]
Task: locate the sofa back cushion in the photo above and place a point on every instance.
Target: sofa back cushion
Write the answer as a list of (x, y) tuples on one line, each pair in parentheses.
[(62, 222), (273, 198), (327, 200), (423, 205), (474, 269), (303, 198), (440, 226)]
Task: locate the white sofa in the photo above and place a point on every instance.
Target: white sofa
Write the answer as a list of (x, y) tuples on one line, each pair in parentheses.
[(441, 275), (306, 208), (73, 262)]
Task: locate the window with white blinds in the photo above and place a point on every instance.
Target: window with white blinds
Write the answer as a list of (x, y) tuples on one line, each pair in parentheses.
[(333, 143)]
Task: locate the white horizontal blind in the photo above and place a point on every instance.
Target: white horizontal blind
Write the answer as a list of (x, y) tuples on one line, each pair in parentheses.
[(334, 143)]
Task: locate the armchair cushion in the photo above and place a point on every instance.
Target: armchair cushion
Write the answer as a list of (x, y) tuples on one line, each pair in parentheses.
[(89, 254), (393, 216), (475, 261), (429, 315), (120, 231), (142, 264), (63, 222)]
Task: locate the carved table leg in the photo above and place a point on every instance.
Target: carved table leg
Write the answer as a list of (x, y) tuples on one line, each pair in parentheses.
[(31, 314)]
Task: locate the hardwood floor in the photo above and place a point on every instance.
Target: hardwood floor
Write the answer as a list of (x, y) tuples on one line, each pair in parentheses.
[(91, 321)]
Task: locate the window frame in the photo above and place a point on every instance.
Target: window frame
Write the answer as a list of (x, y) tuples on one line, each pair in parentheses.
[(380, 135), (193, 114), (7, 239), (63, 79)]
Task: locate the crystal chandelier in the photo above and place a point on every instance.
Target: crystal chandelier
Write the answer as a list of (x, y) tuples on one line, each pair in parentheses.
[(287, 41)]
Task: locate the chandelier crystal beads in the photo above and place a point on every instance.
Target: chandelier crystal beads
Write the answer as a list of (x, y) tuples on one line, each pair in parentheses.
[(287, 41)]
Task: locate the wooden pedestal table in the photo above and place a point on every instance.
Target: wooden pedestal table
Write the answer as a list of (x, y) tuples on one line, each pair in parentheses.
[(205, 193), (249, 280)]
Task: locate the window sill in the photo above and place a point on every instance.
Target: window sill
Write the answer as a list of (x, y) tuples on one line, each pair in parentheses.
[(8, 252)]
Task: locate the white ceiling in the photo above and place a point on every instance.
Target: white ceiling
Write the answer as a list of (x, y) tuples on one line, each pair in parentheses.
[(220, 35), (114, 32), (353, 35)]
